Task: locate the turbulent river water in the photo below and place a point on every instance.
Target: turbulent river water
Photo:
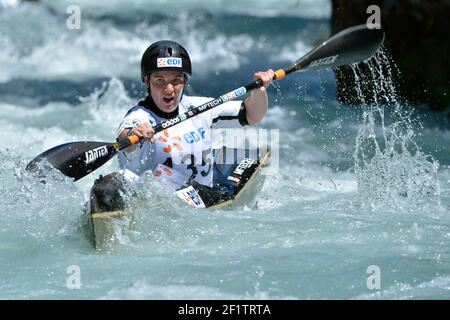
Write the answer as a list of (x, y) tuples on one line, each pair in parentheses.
[(358, 207)]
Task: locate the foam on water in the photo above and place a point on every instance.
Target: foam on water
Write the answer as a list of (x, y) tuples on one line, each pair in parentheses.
[(142, 290), (59, 122), (51, 51), (56, 52), (436, 288), (27, 216), (268, 8), (107, 106), (27, 131), (67, 54)]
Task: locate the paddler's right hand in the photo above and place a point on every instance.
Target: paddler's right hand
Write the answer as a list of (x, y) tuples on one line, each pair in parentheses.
[(144, 131)]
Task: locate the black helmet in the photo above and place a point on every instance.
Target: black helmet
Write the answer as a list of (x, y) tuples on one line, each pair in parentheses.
[(165, 55)]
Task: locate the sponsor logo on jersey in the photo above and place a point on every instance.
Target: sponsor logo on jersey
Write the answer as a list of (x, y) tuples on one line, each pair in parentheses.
[(193, 137), (169, 62), (170, 142), (94, 154)]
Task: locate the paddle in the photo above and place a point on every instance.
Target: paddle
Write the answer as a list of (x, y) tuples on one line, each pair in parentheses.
[(352, 45)]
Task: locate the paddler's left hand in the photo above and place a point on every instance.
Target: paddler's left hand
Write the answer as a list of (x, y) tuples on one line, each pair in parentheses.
[(257, 103), (266, 77)]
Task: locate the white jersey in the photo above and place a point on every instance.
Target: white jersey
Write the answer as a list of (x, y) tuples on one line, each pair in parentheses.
[(183, 152)]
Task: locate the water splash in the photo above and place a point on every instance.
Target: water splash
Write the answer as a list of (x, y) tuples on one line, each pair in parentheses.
[(391, 169), (107, 105), (29, 215)]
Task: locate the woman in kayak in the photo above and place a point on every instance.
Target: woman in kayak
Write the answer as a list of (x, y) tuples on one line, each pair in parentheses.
[(182, 153)]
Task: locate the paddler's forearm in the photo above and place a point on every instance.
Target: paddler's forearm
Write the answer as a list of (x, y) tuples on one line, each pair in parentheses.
[(257, 103), (256, 106)]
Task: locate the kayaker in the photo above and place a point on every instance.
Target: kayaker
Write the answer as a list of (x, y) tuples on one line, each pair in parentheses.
[(181, 153)]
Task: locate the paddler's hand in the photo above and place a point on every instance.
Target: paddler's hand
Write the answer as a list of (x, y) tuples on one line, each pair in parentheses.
[(266, 77), (257, 103), (144, 131)]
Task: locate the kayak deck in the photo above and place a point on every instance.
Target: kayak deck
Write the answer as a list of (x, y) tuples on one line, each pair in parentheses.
[(236, 185)]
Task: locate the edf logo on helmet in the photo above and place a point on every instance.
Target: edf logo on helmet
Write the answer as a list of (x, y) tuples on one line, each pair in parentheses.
[(169, 62)]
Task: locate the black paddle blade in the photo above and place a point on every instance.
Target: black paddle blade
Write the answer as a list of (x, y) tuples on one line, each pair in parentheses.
[(75, 159), (349, 46)]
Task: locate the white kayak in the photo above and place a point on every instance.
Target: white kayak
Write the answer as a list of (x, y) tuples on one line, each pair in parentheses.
[(236, 184)]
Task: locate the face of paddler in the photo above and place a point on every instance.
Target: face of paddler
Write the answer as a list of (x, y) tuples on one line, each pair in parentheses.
[(166, 88)]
